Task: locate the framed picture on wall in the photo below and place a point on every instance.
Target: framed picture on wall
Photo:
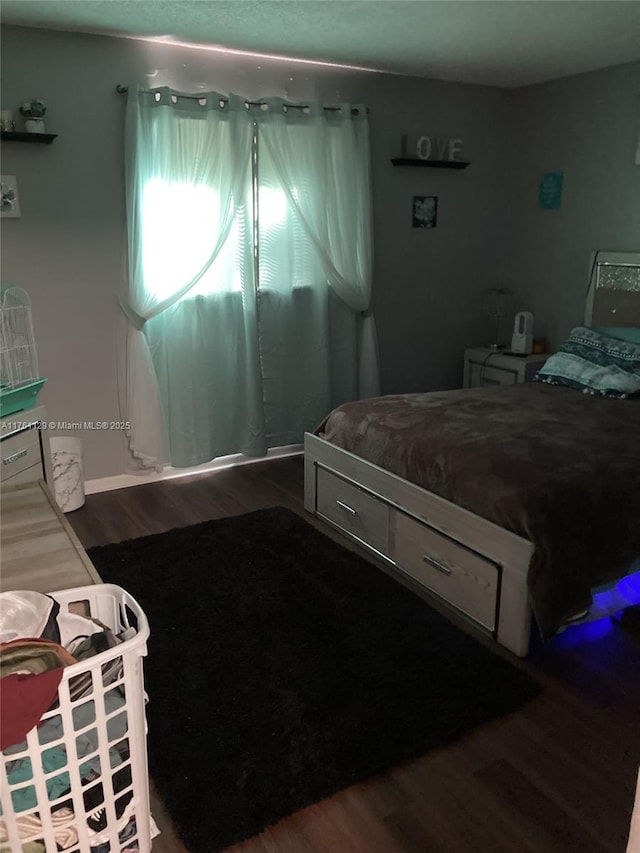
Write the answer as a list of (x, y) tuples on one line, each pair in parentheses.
[(425, 211), (9, 201)]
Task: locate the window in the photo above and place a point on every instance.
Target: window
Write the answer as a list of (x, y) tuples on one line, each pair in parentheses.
[(249, 250)]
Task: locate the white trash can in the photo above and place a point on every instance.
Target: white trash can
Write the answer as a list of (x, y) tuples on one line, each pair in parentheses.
[(66, 462)]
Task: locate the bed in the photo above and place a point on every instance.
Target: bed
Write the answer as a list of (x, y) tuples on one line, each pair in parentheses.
[(498, 502)]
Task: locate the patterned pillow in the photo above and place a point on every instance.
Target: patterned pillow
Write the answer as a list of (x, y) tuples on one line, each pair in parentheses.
[(595, 364)]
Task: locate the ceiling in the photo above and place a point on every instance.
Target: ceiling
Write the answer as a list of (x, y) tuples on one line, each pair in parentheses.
[(505, 43)]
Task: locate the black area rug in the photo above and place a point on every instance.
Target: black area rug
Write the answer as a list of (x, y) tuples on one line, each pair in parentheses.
[(283, 667)]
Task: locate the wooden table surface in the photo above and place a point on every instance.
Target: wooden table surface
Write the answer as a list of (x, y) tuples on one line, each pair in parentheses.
[(38, 548)]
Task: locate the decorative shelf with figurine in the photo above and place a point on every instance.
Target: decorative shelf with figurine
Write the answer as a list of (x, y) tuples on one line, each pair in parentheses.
[(33, 112)]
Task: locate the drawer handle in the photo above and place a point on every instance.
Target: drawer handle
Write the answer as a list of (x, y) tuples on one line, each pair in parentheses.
[(7, 460), (439, 567), (347, 508)]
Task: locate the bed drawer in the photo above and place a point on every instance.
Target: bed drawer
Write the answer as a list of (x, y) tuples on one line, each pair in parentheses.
[(354, 510), (20, 452), (455, 574)]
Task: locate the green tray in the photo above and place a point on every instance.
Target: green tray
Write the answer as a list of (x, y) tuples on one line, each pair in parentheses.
[(19, 398)]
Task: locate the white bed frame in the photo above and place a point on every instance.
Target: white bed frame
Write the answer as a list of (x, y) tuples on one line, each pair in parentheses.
[(469, 564)]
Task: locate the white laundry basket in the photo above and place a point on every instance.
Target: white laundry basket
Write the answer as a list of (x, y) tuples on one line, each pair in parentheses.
[(103, 729)]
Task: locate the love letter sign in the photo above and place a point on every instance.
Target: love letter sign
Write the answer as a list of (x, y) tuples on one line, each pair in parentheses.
[(431, 148)]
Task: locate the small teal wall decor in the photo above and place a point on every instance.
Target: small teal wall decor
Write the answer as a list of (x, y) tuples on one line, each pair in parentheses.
[(550, 191)]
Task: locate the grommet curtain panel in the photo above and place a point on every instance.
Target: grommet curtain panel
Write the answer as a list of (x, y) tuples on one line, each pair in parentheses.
[(321, 159), (249, 272)]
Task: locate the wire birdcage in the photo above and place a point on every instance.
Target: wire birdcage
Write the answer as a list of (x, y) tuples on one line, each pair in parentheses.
[(19, 377), (18, 356)]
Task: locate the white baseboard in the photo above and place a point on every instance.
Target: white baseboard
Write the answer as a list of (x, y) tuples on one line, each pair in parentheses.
[(124, 481)]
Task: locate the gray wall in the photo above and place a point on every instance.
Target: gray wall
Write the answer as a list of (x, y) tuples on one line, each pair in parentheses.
[(68, 249), (429, 283), (586, 126)]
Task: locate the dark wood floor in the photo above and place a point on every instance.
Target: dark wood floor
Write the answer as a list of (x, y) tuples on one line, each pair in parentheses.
[(557, 776)]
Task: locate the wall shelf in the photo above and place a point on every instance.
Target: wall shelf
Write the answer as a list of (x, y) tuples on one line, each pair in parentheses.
[(20, 136), (434, 164)]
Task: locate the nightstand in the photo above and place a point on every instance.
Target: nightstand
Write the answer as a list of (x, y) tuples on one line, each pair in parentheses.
[(484, 366)]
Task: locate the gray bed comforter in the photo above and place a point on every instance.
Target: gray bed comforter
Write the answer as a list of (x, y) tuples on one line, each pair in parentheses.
[(556, 466)]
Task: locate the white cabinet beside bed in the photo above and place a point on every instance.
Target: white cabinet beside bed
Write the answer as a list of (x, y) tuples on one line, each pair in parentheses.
[(484, 366)]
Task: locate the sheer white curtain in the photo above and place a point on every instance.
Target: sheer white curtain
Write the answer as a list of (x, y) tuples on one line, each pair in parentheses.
[(250, 243), (322, 161), (193, 373)]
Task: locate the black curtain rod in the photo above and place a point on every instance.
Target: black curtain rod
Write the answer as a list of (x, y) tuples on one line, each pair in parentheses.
[(123, 89)]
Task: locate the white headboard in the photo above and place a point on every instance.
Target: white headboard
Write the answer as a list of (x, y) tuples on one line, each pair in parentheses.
[(613, 298)]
